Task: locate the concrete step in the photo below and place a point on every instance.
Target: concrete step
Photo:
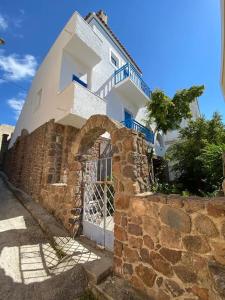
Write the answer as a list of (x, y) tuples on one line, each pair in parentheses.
[(98, 270)]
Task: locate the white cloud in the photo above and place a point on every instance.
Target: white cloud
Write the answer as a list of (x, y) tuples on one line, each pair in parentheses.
[(17, 67), (16, 104), (18, 22), (3, 23)]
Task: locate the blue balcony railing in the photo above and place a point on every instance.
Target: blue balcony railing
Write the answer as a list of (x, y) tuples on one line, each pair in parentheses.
[(129, 71), (77, 79), (132, 124)]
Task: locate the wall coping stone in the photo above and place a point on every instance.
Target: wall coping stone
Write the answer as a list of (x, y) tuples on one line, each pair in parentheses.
[(59, 184), (158, 197)]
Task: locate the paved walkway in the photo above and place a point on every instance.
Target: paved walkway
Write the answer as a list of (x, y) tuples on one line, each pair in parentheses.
[(29, 266)]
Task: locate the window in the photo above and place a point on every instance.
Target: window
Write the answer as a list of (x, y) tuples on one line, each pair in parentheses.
[(114, 59)]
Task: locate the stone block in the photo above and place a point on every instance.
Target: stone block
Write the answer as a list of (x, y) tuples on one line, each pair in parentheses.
[(194, 204), (118, 248), (201, 293), (117, 265), (151, 227), (134, 229), (135, 242), (130, 255), (160, 264), (195, 243), (218, 250), (172, 256), (206, 226), (216, 208), (185, 274), (170, 238), (138, 283), (146, 274), (144, 254), (120, 234), (174, 288), (127, 269), (130, 172), (148, 242), (175, 218), (175, 201), (217, 272), (122, 201)]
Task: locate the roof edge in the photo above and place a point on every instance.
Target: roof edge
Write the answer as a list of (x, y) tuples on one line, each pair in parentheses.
[(114, 37)]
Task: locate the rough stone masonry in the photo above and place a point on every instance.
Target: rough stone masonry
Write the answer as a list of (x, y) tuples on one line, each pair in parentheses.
[(172, 247)]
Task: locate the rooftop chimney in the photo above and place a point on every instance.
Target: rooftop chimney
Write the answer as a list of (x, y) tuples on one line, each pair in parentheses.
[(103, 16)]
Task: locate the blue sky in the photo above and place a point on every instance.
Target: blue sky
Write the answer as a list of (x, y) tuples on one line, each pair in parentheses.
[(176, 43)]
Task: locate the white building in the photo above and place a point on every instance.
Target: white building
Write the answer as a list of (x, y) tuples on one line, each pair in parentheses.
[(172, 136), (87, 71)]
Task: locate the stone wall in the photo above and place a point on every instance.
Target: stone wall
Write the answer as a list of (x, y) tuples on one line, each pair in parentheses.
[(5, 134), (48, 164), (172, 247)]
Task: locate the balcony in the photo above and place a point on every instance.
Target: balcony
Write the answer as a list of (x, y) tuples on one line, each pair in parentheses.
[(130, 83), (84, 45), (132, 124), (76, 104)]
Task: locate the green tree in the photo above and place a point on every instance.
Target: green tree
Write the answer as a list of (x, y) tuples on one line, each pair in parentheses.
[(168, 113), (197, 156)]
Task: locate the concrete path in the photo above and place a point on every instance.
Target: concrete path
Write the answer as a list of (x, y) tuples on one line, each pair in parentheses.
[(29, 267)]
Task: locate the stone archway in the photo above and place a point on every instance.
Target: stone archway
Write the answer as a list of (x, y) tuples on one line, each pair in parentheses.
[(129, 161)]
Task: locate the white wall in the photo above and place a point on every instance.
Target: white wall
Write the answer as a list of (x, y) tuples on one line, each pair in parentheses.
[(70, 67), (103, 78), (48, 79)]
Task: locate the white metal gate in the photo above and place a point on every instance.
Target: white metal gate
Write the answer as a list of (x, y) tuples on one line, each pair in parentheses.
[(98, 223)]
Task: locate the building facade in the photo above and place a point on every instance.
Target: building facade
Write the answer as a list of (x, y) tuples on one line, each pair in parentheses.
[(87, 71)]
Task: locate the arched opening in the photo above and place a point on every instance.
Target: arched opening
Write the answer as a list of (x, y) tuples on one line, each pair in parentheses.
[(93, 149), (122, 173)]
